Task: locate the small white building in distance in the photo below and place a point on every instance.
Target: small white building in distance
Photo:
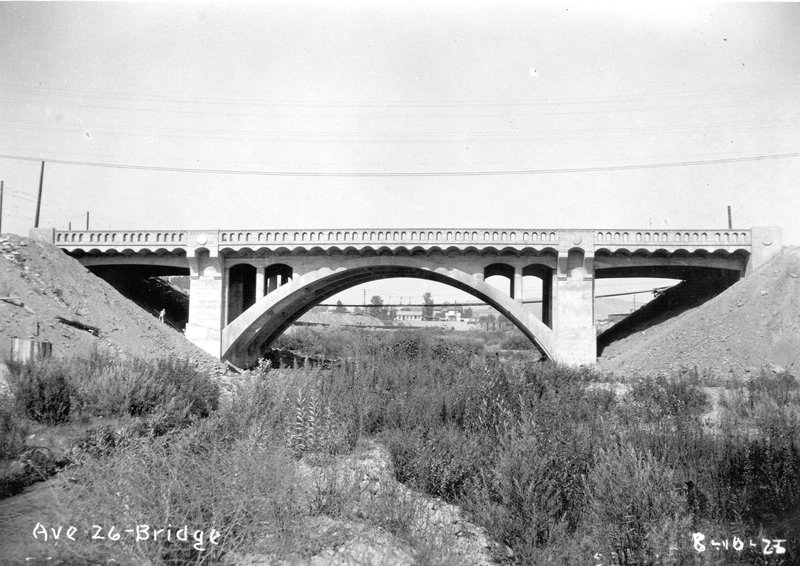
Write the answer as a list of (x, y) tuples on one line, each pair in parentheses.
[(408, 313)]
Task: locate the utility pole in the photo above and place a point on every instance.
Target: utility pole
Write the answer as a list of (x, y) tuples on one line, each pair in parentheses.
[(39, 198), (1, 206), (730, 220), (87, 220)]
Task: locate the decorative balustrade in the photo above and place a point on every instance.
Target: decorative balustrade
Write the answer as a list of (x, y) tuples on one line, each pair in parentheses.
[(404, 237), (672, 237), (121, 238), (399, 236)]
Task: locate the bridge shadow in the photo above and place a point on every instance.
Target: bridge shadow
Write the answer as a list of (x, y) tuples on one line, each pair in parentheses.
[(147, 287), (699, 286)]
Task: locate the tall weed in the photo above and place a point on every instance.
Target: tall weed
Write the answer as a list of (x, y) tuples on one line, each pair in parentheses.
[(194, 477), (57, 390), (634, 505), (13, 430)]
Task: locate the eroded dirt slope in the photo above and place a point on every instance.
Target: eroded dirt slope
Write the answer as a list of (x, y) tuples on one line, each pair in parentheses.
[(39, 283), (755, 322)]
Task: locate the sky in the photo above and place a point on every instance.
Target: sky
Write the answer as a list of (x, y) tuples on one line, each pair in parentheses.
[(400, 114)]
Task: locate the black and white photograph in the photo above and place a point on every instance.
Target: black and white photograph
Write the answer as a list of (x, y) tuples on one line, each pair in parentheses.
[(399, 283)]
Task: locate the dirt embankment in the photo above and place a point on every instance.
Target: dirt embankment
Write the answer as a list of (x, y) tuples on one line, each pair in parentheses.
[(754, 323), (42, 287)]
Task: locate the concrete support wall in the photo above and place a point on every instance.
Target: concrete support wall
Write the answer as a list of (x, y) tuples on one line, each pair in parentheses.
[(206, 289), (573, 306)]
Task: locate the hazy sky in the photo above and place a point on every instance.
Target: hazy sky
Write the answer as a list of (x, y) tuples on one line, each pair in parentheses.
[(401, 87)]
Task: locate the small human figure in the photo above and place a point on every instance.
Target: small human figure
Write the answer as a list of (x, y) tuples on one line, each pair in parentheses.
[(161, 315)]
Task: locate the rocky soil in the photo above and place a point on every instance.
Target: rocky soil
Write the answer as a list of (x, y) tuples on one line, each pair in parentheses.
[(427, 531), (753, 324)]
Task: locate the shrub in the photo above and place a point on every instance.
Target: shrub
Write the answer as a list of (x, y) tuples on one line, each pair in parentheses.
[(657, 398), (516, 341), (195, 477), (42, 390), (530, 494), (456, 350), (53, 390), (408, 344), (632, 503), (440, 461), (13, 430)]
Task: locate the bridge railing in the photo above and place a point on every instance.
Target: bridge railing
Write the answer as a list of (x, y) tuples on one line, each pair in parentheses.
[(170, 238), (429, 236), (391, 236), (672, 237)]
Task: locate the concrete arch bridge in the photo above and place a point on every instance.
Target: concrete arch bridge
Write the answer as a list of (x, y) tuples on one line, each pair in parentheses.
[(248, 286)]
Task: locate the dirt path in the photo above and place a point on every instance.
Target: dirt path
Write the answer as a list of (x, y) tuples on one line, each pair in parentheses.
[(18, 517)]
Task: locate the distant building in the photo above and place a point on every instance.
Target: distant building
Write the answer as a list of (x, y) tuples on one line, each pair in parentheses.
[(408, 313), (452, 315)]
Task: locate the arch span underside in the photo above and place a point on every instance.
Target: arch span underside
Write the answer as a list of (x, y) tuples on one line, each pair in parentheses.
[(273, 313)]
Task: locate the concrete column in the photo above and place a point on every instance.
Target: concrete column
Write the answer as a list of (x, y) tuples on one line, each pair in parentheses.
[(516, 284), (547, 297), (259, 282), (206, 300), (573, 296)]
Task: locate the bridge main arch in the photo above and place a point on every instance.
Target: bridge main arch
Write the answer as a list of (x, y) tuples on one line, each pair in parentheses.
[(272, 314)]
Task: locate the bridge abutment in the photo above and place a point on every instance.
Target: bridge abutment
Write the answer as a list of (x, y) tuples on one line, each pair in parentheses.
[(766, 242)]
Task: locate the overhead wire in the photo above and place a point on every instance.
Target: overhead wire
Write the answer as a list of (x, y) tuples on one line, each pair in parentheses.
[(648, 97), (722, 125), (497, 172)]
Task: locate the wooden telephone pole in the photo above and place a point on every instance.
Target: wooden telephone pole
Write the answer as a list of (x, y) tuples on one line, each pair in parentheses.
[(39, 198)]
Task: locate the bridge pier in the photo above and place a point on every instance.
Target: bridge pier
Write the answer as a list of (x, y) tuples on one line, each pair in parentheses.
[(206, 289), (516, 284), (573, 298)]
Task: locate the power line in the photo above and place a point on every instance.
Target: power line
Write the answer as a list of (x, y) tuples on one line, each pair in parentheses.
[(498, 172), (160, 98)]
